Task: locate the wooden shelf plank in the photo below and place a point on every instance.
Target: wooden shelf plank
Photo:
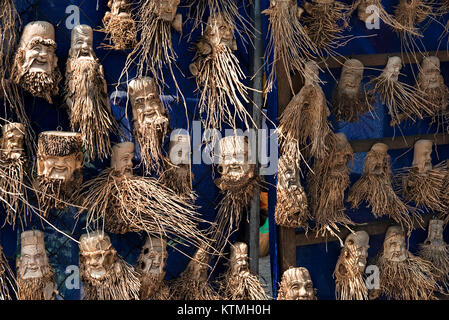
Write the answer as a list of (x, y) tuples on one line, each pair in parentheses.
[(380, 59), (398, 142), (372, 228)]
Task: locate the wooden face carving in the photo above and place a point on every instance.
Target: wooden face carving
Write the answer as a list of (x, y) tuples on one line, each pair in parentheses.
[(239, 258), (38, 45), (393, 68), (298, 284), (152, 257), (394, 245), (33, 261), (12, 140), (351, 78), (147, 107), (62, 168), (82, 42), (179, 149), (219, 32), (234, 159), (430, 75), (96, 255), (422, 155), (122, 155), (358, 245), (435, 235)]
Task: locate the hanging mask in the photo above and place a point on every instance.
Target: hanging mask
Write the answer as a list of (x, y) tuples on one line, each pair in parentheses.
[(119, 26), (105, 275), (59, 169), (296, 284), (35, 276), (35, 66)]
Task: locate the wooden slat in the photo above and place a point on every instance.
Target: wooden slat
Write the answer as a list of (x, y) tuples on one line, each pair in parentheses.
[(372, 228), (380, 59), (398, 142)]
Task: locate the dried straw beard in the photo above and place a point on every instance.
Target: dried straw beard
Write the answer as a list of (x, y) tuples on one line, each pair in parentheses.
[(283, 292), (120, 31), (349, 280), (156, 50), (325, 22), (39, 84), (33, 288), (150, 138), (409, 15), (349, 107), (12, 189), (237, 196), (425, 189), (439, 257), (437, 98), (242, 286), (179, 179), (121, 282), (289, 42), (327, 186), (304, 121), (6, 279), (377, 190), (219, 79), (7, 36), (291, 208), (402, 100), (411, 279), (190, 286), (90, 112), (153, 287), (57, 193), (134, 203)]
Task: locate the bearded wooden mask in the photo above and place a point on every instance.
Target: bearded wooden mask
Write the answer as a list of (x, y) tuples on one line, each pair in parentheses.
[(59, 155), (234, 159), (97, 254), (351, 77), (12, 140), (239, 258), (35, 64), (435, 233), (394, 245), (122, 156), (33, 261), (296, 284), (422, 155), (147, 107), (393, 68), (179, 149), (152, 257), (430, 74), (219, 32), (358, 244)]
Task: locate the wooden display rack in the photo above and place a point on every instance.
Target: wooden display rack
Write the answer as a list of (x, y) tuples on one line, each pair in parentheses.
[(288, 238)]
